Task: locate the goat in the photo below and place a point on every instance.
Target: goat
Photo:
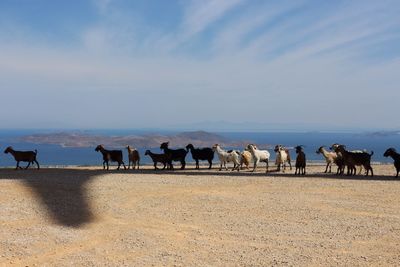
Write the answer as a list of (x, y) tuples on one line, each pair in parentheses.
[(24, 156), (162, 158), (330, 157), (333, 147), (300, 161), (352, 159), (340, 160), (282, 156), (391, 152), (245, 159), (174, 155), (111, 155), (258, 156), (201, 154), (134, 157), (227, 156)]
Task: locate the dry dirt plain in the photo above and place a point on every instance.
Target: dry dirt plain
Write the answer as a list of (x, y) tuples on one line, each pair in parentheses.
[(89, 217)]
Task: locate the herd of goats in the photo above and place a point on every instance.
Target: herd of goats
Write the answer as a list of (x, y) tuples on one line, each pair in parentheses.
[(338, 155)]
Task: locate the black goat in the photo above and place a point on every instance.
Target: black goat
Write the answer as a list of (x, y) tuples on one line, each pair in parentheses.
[(111, 155), (339, 159), (391, 152), (300, 161), (25, 156), (162, 158), (174, 155), (353, 159), (201, 154)]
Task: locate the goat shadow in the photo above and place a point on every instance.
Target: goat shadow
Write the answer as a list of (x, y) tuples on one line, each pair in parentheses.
[(63, 192), (273, 172)]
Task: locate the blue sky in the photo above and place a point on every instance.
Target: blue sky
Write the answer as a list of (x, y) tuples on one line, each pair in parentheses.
[(161, 64)]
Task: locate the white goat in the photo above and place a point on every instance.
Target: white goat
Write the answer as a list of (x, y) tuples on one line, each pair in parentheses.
[(330, 157), (258, 156), (282, 156), (227, 156)]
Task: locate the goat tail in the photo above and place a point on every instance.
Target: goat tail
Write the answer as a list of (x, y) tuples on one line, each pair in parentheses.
[(372, 152), (35, 151)]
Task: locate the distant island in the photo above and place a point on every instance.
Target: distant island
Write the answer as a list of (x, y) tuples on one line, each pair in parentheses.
[(71, 139), (383, 133)]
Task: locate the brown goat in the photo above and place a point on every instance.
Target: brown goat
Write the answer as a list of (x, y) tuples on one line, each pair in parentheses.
[(300, 161), (245, 159), (134, 157), (25, 156), (111, 155)]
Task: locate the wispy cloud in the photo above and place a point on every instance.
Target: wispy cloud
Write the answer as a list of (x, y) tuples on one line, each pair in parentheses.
[(200, 14), (241, 58)]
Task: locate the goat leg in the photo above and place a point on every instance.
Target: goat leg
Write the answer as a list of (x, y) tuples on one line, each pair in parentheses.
[(183, 164), (255, 165), (37, 163), (326, 169)]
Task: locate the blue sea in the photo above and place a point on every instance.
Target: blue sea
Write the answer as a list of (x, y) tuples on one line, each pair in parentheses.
[(54, 155)]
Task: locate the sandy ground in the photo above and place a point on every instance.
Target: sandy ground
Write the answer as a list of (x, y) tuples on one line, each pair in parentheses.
[(89, 217)]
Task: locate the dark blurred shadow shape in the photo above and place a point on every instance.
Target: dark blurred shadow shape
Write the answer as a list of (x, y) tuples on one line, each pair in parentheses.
[(63, 192)]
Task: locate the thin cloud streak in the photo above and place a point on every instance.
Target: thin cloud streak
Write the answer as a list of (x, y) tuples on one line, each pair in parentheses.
[(248, 58)]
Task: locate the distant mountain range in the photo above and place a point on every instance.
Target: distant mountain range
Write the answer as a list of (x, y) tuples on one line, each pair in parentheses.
[(68, 139)]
